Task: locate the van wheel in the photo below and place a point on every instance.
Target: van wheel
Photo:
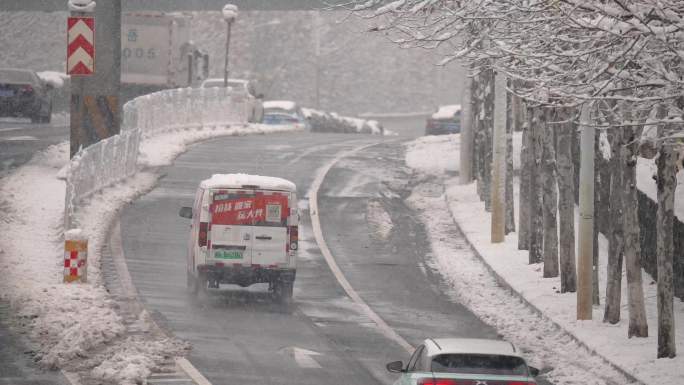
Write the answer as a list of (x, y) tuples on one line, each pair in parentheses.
[(283, 291)]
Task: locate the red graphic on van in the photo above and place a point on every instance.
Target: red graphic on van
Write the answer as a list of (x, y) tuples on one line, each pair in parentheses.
[(252, 210)]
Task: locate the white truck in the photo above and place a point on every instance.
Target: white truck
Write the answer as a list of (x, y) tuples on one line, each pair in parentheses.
[(244, 230), (157, 53)]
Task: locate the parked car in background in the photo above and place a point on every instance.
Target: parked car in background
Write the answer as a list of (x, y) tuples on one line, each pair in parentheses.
[(246, 87), (447, 120), (464, 361), (24, 94), (278, 108)]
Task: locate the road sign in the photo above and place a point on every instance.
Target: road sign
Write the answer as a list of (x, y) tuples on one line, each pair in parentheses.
[(80, 46)]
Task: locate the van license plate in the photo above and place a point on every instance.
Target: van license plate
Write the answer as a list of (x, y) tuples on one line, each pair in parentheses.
[(228, 254)]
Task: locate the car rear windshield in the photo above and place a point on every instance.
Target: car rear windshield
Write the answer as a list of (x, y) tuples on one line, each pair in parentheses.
[(16, 76), (479, 364)]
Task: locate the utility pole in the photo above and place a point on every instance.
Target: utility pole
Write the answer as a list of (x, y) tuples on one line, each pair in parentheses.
[(498, 192), (95, 66), (586, 220), (230, 13)]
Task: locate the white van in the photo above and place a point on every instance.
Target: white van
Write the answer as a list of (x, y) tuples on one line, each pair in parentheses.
[(244, 231)]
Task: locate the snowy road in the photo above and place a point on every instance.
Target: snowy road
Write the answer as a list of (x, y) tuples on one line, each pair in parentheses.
[(19, 140), (241, 335)]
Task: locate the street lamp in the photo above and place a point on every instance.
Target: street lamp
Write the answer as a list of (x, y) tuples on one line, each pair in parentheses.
[(230, 13)]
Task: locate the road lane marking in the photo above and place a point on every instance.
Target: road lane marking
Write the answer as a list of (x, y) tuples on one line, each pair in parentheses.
[(303, 357), (384, 328), (18, 138), (191, 371), (12, 129)]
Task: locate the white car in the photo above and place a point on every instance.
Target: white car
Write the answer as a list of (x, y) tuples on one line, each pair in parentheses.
[(242, 86), (464, 361)]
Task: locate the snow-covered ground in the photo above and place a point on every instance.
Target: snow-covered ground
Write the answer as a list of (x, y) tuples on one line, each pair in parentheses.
[(547, 312), (76, 327)]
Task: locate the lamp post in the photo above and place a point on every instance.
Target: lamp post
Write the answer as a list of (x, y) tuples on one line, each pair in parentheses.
[(230, 12)]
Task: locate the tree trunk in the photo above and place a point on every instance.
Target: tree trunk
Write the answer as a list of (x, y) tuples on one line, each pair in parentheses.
[(466, 147), (510, 199), (479, 158), (550, 197), (526, 164), (566, 207), (615, 234), (536, 233), (498, 188), (667, 182), (488, 123), (638, 326)]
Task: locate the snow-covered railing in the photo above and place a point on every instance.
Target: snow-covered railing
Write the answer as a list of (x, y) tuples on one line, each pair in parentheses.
[(115, 158)]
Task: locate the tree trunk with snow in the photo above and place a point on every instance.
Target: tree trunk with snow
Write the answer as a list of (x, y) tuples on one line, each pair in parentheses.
[(549, 197), (498, 198), (466, 147), (535, 196), (488, 130), (526, 164), (638, 325), (667, 182), (615, 233), (566, 206), (479, 135), (510, 200)]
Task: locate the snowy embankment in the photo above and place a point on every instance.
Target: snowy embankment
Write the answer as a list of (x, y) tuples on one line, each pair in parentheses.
[(76, 327), (537, 334)]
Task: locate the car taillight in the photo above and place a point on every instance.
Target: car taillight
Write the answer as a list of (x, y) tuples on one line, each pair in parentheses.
[(294, 238), (437, 381), (202, 236), (26, 89)]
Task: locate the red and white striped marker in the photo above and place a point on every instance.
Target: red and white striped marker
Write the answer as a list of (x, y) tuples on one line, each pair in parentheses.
[(75, 256), (80, 46)]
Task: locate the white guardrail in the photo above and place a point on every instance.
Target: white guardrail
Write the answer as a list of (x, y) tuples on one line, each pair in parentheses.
[(115, 158)]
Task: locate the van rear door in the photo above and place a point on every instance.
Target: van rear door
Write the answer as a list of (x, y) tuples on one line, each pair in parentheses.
[(269, 247), (231, 226)]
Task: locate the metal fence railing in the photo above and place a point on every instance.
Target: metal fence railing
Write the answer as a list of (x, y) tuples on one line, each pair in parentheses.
[(115, 158)]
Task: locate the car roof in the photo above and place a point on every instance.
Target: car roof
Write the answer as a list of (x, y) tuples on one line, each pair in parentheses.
[(447, 112), (437, 346), (280, 104), (241, 180)]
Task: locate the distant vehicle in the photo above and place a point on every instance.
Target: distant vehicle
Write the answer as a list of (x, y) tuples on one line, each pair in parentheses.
[(464, 361), (244, 231), (243, 86), (447, 120), (157, 53), (286, 107), (24, 94), (277, 119)]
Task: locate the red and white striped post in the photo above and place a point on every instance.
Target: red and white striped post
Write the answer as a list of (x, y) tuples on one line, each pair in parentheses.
[(75, 256)]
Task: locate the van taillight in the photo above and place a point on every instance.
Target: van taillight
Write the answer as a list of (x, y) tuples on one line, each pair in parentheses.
[(202, 236), (294, 238)]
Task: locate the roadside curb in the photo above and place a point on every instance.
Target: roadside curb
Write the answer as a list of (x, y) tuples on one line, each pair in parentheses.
[(502, 281)]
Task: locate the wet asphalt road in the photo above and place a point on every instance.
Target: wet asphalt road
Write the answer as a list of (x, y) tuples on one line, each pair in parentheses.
[(20, 139), (243, 336)]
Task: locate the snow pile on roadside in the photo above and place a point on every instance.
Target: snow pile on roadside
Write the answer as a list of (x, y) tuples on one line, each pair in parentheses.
[(163, 149), (635, 356), (68, 320)]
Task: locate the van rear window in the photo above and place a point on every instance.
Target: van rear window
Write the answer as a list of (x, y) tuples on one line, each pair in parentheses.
[(257, 209)]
